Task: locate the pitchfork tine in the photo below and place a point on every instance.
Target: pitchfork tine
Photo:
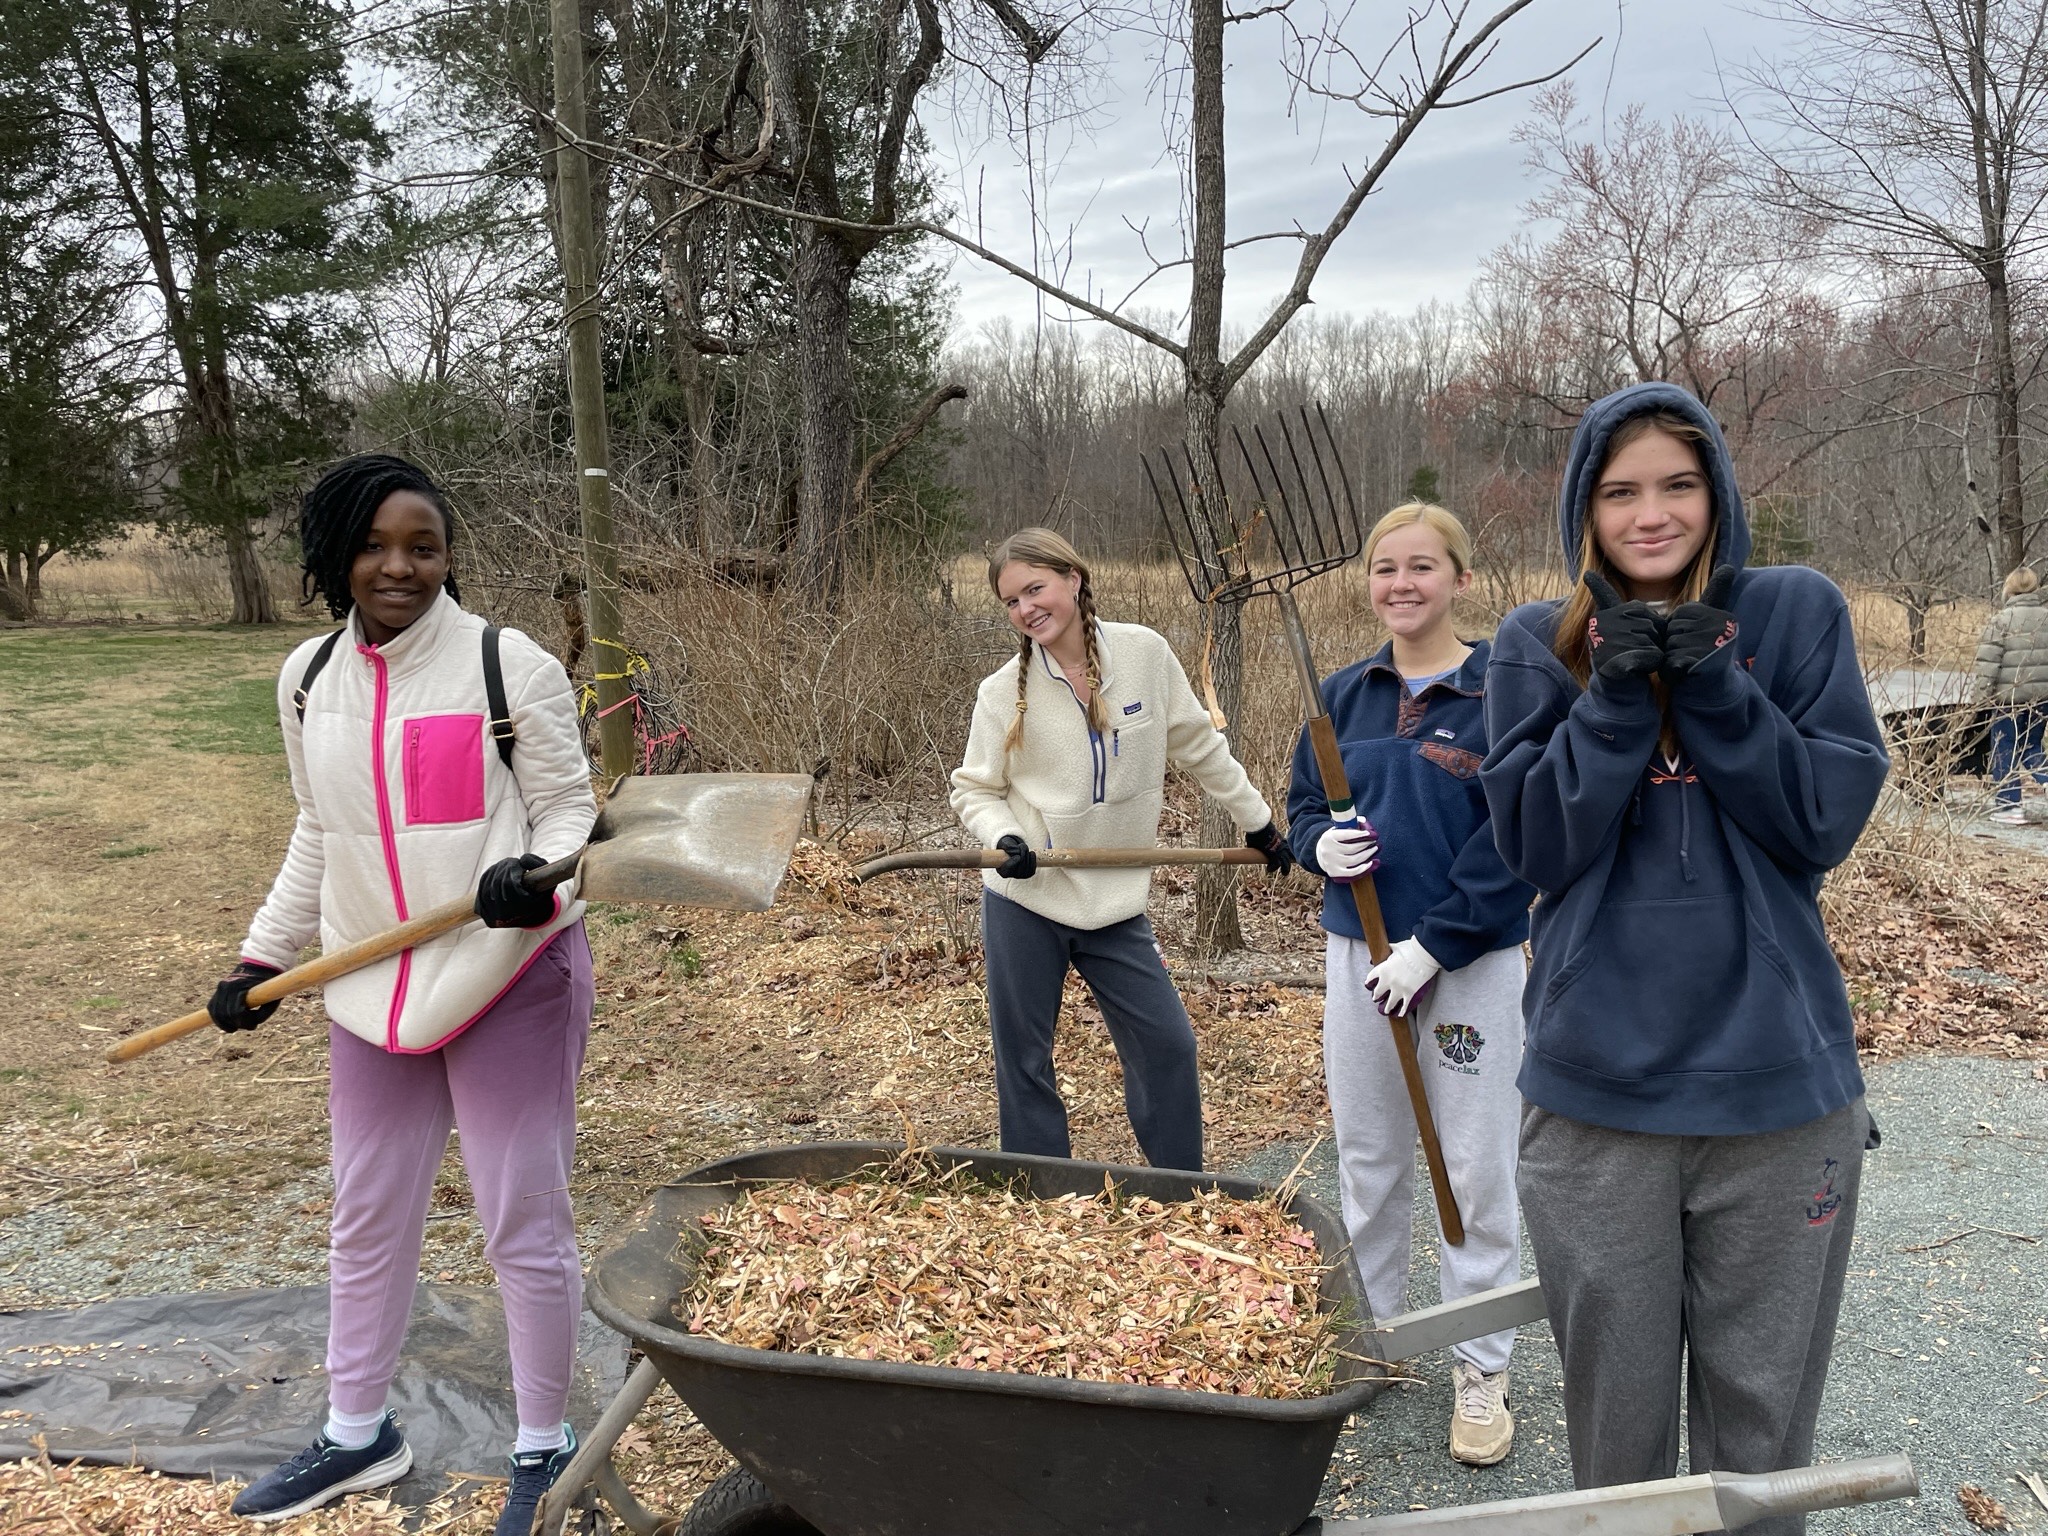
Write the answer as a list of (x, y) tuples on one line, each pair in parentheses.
[(1307, 488), (1316, 458), (1180, 553)]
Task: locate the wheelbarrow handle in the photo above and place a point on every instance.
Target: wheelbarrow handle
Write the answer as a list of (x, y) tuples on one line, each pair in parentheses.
[(1716, 1501), (318, 972), (1057, 858)]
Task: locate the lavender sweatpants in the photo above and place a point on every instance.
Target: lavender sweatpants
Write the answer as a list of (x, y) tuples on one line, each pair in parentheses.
[(508, 1086)]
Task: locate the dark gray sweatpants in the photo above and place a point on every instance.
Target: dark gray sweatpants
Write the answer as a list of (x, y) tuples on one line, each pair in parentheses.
[(1028, 957), (1715, 1261)]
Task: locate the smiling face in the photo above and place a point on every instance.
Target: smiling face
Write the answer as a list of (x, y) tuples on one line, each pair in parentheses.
[(1043, 605), (1652, 513), (401, 565), (1413, 581)]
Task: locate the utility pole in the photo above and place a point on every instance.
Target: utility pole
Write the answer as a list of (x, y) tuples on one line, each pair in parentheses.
[(586, 389)]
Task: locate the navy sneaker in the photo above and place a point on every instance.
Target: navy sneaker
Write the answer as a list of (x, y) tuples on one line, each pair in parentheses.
[(324, 1471), (533, 1474)]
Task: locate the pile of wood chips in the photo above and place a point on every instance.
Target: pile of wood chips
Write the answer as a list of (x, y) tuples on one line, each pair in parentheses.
[(46, 1499), (919, 1264)]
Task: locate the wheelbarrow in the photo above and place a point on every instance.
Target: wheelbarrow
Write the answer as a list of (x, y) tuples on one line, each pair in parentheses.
[(840, 1447)]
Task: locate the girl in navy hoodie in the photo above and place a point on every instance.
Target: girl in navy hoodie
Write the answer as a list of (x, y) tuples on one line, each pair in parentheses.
[(1682, 749), (1408, 721)]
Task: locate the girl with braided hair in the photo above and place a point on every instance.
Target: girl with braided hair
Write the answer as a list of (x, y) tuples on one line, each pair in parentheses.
[(1069, 748), (408, 797)]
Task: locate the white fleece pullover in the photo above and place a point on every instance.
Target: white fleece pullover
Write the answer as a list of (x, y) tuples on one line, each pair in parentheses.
[(1066, 787), (404, 802)]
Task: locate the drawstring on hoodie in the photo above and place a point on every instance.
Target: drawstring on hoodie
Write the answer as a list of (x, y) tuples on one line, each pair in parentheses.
[(1684, 831)]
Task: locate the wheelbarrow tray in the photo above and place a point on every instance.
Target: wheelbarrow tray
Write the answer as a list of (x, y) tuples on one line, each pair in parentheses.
[(867, 1448)]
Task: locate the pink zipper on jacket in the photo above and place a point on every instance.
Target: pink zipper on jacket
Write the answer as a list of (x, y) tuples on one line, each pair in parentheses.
[(386, 828)]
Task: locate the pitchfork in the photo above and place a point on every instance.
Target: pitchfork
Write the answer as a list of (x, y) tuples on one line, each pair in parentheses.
[(1302, 508)]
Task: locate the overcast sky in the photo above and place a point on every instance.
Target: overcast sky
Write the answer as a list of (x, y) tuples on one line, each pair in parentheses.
[(1454, 194)]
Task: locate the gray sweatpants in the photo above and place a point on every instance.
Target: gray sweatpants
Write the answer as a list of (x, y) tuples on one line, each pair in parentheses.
[(1718, 1257), (1027, 959), (1468, 1031)]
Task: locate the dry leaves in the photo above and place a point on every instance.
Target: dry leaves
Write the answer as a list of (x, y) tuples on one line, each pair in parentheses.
[(1982, 1510), (921, 1264)]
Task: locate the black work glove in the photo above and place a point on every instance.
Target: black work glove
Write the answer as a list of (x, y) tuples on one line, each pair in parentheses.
[(505, 900), (1022, 863), (1279, 857), (229, 1007), (1696, 631), (1627, 637)]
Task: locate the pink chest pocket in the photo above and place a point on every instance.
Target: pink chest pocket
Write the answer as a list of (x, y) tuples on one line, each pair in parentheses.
[(444, 769)]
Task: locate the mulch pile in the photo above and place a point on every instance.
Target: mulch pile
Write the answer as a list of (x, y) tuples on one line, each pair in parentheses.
[(916, 1263)]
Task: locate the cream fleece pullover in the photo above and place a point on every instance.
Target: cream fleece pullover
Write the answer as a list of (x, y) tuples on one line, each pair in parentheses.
[(1066, 787), (404, 802)]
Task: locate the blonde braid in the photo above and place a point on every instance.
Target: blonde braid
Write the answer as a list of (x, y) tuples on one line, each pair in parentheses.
[(1084, 603), (1015, 738)]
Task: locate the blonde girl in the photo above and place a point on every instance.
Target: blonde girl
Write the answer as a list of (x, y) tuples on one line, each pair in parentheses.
[(1409, 721), (1069, 748)]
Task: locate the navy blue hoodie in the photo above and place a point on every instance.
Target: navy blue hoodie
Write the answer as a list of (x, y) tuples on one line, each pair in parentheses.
[(1413, 764), (1682, 983)]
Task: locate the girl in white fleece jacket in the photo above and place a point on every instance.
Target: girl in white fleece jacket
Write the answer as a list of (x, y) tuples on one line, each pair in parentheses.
[(1069, 748), (407, 800)]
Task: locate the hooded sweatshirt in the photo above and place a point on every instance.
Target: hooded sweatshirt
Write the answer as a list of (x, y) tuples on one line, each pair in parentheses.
[(1682, 983)]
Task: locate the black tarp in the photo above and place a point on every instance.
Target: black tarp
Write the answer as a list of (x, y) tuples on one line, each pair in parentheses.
[(229, 1383)]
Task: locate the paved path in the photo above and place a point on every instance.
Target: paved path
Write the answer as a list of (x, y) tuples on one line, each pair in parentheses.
[(1944, 1336)]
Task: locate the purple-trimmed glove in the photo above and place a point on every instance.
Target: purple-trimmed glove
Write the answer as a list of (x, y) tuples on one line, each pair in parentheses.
[(1398, 982), (1348, 851)]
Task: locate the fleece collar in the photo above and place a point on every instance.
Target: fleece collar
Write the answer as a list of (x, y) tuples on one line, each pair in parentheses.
[(1103, 654), (1469, 678), (415, 645)]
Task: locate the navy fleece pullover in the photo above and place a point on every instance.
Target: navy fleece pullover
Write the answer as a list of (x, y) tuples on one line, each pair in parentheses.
[(1682, 983), (1414, 770)]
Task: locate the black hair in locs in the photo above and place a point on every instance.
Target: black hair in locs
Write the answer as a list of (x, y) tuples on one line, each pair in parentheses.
[(335, 518)]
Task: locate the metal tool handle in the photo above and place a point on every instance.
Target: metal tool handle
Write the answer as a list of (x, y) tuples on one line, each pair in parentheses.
[(1747, 1497), (1057, 858), (318, 972)]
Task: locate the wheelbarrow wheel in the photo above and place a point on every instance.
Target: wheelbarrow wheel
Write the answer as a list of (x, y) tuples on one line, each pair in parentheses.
[(739, 1504)]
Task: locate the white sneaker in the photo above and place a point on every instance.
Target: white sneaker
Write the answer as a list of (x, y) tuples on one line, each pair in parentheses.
[(1482, 1429), (2012, 818)]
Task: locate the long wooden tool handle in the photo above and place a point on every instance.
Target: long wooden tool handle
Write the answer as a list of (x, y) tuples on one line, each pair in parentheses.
[(1365, 898), (317, 973), (1057, 858)]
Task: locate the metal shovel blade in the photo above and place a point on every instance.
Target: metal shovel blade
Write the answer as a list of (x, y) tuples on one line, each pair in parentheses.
[(696, 839)]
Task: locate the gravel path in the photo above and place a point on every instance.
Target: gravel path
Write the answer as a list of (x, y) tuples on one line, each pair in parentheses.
[(1943, 1343)]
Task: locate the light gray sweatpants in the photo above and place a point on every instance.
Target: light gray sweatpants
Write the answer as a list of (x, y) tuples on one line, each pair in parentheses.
[(1468, 1031), (1722, 1256)]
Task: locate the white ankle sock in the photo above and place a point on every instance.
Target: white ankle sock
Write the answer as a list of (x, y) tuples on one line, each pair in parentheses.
[(551, 1438), (353, 1431)]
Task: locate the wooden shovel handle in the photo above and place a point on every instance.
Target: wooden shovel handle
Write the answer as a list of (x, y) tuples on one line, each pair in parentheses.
[(1057, 858), (317, 973), (1365, 898)]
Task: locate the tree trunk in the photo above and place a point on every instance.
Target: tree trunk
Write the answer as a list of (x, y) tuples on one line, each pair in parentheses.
[(16, 602), (1216, 926), (2011, 513), (246, 582), (824, 283), (1918, 601)]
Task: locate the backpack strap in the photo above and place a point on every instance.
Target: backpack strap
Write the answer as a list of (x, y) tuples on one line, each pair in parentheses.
[(500, 724), (313, 670)]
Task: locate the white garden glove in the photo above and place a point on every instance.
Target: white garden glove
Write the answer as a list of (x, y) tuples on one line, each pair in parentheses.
[(1397, 981), (1348, 851)]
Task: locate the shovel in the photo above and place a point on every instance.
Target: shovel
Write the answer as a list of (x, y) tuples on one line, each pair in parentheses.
[(1057, 858), (689, 839)]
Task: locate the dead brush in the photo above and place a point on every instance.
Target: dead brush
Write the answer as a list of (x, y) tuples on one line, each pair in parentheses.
[(917, 1262)]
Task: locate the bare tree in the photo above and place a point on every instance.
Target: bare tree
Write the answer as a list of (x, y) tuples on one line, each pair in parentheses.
[(1918, 129)]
